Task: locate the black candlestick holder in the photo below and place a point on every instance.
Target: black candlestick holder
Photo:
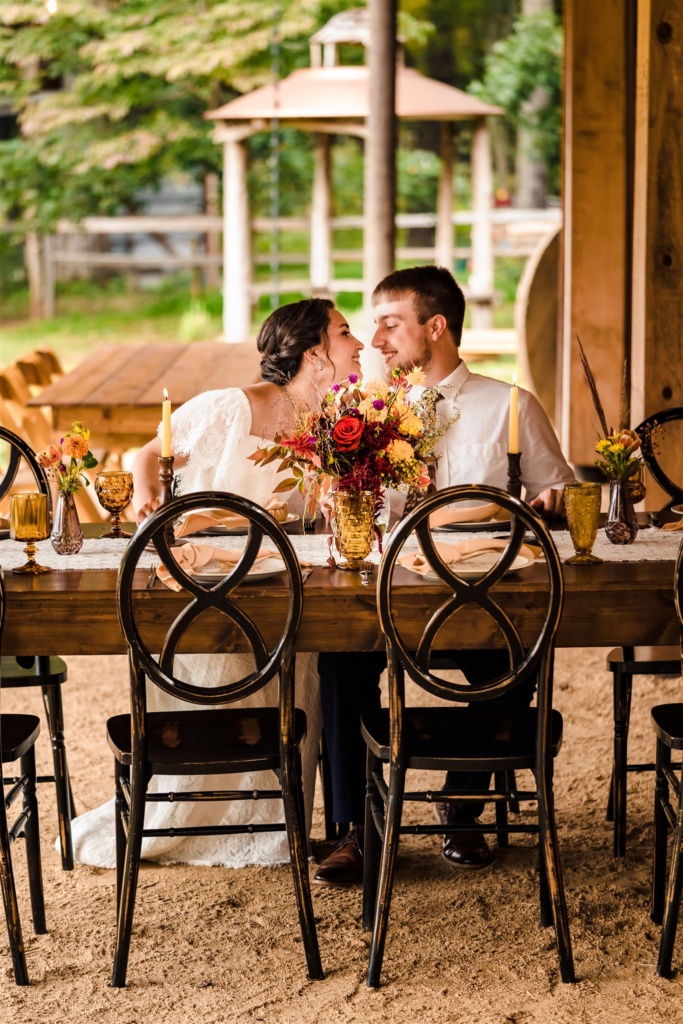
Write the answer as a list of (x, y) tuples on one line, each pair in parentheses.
[(515, 474), (166, 477)]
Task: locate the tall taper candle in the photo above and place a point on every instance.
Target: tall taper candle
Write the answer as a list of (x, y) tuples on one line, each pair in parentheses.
[(165, 426), (513, 443)]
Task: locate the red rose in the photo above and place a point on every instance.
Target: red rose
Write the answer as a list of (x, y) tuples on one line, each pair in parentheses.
[(347, 433)]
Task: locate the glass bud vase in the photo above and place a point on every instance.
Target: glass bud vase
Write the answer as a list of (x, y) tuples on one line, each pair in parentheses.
[(67, 535), (621, 526), (353, 526)]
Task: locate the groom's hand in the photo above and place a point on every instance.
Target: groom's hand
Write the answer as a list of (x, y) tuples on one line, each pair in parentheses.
[(550, 502)]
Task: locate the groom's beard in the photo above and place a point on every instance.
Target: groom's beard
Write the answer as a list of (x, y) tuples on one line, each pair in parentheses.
[(422, 357)]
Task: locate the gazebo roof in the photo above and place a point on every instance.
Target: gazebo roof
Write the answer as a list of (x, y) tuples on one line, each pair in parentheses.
[(342, 93)]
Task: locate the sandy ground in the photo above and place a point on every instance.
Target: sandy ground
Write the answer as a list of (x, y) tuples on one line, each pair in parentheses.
[(217, 946)]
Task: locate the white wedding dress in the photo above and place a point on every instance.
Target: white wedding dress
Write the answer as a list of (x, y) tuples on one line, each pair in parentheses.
[(214, 430)]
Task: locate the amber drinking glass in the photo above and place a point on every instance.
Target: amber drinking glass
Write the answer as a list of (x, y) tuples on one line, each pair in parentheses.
[(114, 490), (29, 521), (582, 505)]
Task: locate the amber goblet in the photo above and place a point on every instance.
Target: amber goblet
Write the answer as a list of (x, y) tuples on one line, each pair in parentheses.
[(114, 490), (29, 521), (582, 505)]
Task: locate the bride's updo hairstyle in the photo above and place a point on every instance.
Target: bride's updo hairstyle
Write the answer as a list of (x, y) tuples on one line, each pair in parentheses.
[(289, 332)]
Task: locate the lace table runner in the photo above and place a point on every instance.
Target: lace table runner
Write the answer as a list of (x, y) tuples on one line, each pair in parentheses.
[(650, 546)]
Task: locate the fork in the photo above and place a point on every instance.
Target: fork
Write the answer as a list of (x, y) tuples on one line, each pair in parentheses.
[(151, 579)]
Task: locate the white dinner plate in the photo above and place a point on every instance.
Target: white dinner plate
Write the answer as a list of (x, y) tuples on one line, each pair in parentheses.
[(212, 572), (233, 531), (476, 566), (678, 509)]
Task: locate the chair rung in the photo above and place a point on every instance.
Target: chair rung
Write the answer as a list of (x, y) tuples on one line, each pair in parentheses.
[(641, 767), (208, 830), (443, 830), (17, 829), (215, 794), (17, 788), (494, 795), (39, 778)]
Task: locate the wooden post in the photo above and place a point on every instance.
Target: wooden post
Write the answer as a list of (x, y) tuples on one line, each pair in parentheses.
[(481, 276), (236, 243), (48, 278), (443, 243), (657, 347), (34, 274), (321, 232), (380, 148), (595, 255)]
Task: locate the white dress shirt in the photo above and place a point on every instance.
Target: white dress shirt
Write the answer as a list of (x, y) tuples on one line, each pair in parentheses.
[(474, 448)]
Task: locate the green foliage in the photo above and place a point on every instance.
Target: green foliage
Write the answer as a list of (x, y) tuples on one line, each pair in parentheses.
[(530, 58)]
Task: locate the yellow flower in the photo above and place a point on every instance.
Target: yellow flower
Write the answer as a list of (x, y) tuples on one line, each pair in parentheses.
[(78, 428), (415, 376), (400, 451), (411, 425), (375, 388), (616, 447), (371, 414), (602, 445)]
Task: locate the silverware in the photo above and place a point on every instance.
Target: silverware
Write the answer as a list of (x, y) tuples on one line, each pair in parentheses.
[(366, 576), (151, 579), (305, 573)]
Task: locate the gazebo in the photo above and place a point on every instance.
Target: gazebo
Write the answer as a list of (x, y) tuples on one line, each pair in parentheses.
[(330, 99)]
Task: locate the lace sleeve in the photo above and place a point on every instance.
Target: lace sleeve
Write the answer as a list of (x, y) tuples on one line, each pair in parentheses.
[(202, 427)]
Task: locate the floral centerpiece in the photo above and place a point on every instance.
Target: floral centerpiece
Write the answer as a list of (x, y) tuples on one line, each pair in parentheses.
[(65, 463), (75, 447), (365, 437), (617, 451)]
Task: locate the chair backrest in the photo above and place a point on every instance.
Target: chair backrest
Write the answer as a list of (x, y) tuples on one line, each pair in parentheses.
[(678, 591), (20, 451), (474, 597), (650, 452), (271, 656)]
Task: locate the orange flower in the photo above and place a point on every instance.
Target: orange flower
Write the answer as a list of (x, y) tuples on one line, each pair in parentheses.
[(50, 457), (75, 446)]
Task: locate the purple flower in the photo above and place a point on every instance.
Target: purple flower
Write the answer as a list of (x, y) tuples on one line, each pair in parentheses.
[(378, 404), (335, 388), (353, 378)]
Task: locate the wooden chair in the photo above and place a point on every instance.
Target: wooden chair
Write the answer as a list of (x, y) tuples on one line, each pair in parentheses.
[(667, 722), (18, 734), (626, 662), (35, 371), (49, 673), (212, 741), (471, 739)]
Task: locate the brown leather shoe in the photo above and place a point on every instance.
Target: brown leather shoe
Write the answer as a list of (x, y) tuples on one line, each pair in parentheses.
[(344, 866), (464, 849)]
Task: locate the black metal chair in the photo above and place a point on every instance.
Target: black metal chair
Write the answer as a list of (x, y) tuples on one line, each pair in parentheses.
[(626, 662), (49, 673), (464, 739), (18, 734), (216, 741), (667, 722)]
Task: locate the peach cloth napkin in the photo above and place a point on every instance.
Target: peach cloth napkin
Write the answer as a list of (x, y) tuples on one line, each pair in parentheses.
[(196, 521), (193, 556), (674, 526), (460, 552)]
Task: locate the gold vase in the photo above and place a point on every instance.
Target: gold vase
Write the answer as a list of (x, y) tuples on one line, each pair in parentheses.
[(353, 526)]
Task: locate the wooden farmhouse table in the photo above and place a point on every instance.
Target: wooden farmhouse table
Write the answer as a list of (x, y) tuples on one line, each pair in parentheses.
[(73, 612), (117, 391)]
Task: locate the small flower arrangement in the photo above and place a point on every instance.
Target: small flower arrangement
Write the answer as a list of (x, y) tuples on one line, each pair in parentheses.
[(365, 437), (617, 450), (74, 446)]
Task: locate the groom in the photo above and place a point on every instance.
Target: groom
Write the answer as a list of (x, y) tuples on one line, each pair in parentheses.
[(419, 314)]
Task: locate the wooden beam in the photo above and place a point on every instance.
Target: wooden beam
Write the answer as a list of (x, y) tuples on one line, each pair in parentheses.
[(481, 273), (443, 242), (321, 209), (236, 244), (595, 279), (657, 370)]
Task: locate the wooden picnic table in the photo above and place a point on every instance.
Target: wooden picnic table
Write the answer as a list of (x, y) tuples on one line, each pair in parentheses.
[(117, 391)]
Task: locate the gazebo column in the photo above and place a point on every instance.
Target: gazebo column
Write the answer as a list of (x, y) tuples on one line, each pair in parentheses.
[(321, 206), (481, 276), (236, 241), (443, 243)]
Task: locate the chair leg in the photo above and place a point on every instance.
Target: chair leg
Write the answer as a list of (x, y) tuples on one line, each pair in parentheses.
[(52, 699), (511, 784), (9, 899), (326, 786), (544, 890), (622, 687), (387, 871), (551, 855), (32, 834), (129, 881), (673, 898), (120, 772), (662, 762), (372, 845), (502, 837), (292, 798)]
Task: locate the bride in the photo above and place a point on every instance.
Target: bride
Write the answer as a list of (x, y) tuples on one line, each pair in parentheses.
[(304, 347)]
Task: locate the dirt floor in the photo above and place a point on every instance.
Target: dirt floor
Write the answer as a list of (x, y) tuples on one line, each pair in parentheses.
[(216, 946)]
